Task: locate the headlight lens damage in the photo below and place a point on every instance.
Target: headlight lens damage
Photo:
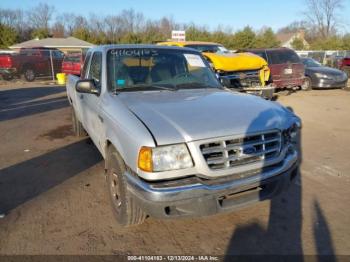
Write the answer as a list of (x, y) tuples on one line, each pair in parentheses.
[(291, 135), (164, 158)]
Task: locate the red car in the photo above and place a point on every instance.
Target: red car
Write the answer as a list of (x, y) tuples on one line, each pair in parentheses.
[(31, 63), (287, 70), (344, 65), (72, 64)]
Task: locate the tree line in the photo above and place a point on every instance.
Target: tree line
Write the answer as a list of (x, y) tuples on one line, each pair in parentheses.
[(129, 26)]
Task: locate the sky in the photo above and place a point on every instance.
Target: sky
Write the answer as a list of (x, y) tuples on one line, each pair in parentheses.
[(233, 13)]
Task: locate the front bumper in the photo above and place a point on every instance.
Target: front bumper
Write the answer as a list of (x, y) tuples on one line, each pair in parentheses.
[(250, 85), (196, 197), (265, 91), (288, 82), (328, 83)]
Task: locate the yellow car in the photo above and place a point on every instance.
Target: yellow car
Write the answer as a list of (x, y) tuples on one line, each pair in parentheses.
[(244, 71)]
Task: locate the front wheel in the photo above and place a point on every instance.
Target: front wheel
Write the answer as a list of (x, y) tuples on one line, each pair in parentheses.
[(125, 209), (307, 85), (29, 74)]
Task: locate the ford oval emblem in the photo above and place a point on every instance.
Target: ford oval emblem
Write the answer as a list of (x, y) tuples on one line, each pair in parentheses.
[(249, 150)]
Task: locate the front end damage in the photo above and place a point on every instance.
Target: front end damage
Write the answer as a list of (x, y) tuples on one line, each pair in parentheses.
[(243, 72)]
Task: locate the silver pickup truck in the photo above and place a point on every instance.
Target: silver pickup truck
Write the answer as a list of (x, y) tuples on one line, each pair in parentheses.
[(175, 142)]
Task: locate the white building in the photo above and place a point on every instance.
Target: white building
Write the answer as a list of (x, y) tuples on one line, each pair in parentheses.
[(287, 39)]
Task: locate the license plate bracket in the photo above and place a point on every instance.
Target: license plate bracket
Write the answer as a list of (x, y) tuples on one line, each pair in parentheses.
[(288, 71)]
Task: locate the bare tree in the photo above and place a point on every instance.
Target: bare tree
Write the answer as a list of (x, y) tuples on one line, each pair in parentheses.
[(15, 19), (294, 27), (68, 20), (132, 21), (58, 29), (322, 14), (12, 18), (166, 25), (40, 16), (113, 28)]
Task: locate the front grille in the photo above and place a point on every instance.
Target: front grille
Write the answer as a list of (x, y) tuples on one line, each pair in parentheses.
[(236, 152), (241, 79)]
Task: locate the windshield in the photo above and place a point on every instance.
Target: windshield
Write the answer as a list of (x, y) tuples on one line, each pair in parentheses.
[(209, 48), (283, 57), (152, 69), (311, 63)]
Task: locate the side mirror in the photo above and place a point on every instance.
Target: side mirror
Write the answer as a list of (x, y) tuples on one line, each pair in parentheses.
[(87, 86)]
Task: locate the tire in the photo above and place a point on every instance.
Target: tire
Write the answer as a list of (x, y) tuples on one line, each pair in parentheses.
[(124, 207), (29, 74), (7, 77), (307, 86), (78, 128)]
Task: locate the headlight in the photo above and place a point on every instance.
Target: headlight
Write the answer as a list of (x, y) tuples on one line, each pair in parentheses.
[(292, 133), (320, 75), (164, 158)]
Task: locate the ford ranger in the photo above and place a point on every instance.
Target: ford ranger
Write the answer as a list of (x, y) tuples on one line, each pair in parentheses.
[(244, 72), (176, 143)]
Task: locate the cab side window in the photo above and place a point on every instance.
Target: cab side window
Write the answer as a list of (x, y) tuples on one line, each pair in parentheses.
[(95, 71)]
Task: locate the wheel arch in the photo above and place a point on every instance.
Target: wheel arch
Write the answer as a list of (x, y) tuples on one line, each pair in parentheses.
[(108, 145), (27, 65)]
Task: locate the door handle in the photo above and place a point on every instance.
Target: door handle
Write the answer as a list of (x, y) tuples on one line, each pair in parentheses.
[(101, 118)]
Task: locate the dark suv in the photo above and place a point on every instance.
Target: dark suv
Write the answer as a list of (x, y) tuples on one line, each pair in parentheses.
[(287, 70)]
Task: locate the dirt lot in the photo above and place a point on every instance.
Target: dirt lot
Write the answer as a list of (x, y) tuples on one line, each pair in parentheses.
[(52, 189)]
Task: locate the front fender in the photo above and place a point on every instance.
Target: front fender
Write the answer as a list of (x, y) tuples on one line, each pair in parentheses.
[(124, 131)]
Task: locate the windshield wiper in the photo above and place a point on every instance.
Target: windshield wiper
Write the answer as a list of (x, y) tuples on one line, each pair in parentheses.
[(145, 87), (194, 85), (172, 88)]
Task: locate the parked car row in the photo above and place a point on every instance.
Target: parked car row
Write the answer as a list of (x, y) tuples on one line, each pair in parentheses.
[(281, 68), (31, 63), (256, 71)]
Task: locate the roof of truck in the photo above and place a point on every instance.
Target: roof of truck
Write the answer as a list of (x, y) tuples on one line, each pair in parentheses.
[(175, 43), (141, 46)]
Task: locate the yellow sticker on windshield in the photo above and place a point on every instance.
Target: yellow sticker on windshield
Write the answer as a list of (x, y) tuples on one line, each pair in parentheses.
[(194, 60)]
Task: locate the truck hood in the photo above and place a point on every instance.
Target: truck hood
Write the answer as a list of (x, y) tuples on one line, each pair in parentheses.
[(190, 115), (236, 61)]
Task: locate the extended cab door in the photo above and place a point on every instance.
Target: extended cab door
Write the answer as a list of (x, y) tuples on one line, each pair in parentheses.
[(91, 102)]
